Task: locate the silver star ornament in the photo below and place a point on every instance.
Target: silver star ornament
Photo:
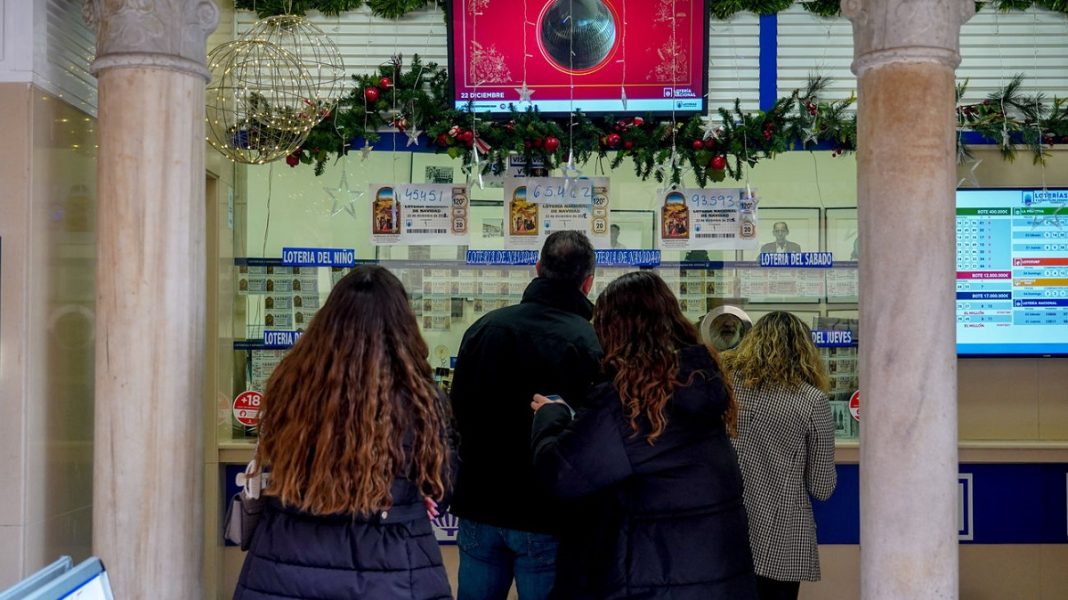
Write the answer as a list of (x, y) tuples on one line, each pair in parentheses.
[(413, 136), (708, 128), (524, 92), (343, 196)]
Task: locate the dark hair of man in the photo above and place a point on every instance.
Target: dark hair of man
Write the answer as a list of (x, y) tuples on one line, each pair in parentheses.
[(343, 404), (567, 256), (642, 328)]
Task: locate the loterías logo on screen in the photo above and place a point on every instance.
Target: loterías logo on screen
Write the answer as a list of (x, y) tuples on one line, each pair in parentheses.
[(1030, 197)]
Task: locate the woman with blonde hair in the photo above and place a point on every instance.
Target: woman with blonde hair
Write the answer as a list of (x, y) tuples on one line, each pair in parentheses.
[(353, 439), (785, 447), (662, 513)]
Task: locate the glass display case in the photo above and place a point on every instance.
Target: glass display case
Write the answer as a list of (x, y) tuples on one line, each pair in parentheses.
[(448, 295), (274, 299)]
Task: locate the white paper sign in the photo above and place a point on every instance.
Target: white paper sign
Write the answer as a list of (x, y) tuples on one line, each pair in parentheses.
[(431, 214), (707, 219), (535, 207)]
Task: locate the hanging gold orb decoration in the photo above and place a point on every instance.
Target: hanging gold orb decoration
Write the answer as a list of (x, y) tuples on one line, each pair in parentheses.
[(317, 53), (260, 102)]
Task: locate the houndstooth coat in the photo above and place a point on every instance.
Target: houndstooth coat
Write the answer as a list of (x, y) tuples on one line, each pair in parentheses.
[(785, 448)]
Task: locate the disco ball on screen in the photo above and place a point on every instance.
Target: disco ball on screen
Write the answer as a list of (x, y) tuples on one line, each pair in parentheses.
[(594, 28)]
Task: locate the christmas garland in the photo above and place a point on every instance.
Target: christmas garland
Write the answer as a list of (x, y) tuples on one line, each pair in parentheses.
[(1012, 119), (415, 100), (418, 97), (718, 9)]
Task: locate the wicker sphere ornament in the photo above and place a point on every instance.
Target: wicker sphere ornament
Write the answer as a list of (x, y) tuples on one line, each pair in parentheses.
[(259, 102), (317, 53)]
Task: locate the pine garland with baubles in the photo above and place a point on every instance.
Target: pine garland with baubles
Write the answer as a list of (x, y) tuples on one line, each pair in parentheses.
[(731, 140)]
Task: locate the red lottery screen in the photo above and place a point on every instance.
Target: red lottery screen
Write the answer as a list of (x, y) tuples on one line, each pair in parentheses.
[(598, 56)]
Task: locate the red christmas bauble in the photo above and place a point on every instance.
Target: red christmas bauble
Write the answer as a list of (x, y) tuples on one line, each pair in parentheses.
[(718, 162), (442, 140), (538, 142), (292, 160), (638, 121), (385, 83), (551, 143), (710, 143), (467, 136), (371, 94), (698, 145), (628, 144), (614, 140)]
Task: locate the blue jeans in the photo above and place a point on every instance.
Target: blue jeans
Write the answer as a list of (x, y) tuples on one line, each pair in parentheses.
[(491, 556)]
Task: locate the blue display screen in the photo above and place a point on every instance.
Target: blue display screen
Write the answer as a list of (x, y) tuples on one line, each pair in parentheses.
[(1012, 272)]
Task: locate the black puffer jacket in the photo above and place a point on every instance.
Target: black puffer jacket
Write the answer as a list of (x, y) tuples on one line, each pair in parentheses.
[(390, 555), (661, 521), (543, 345)]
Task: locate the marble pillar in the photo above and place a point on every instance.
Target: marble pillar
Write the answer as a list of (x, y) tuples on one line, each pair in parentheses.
[(906, 52), (148, 449)]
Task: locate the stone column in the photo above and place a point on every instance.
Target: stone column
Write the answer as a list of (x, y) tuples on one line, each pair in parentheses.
[(906, 52), (148, 449)]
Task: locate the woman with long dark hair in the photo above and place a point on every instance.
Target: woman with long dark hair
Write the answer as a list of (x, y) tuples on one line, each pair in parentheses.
[(785, 446), (661, 513), (353, 439)]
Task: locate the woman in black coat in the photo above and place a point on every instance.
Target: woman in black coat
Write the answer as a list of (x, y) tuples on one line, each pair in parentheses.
[(352, 435), (660, 513)]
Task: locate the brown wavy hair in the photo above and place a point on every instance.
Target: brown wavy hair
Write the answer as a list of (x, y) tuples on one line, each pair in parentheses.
[(642, 329), (346, 400), (778, 350)]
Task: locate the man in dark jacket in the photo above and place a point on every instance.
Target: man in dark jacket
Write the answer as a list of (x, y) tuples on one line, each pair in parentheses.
[(543, 345)]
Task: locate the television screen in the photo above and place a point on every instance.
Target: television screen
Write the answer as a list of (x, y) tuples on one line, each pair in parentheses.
[(584, 55), (1012, 272)]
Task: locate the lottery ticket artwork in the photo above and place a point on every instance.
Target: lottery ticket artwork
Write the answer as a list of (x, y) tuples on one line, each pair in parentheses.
[(426, 214), (535, 207), (707, 219)]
